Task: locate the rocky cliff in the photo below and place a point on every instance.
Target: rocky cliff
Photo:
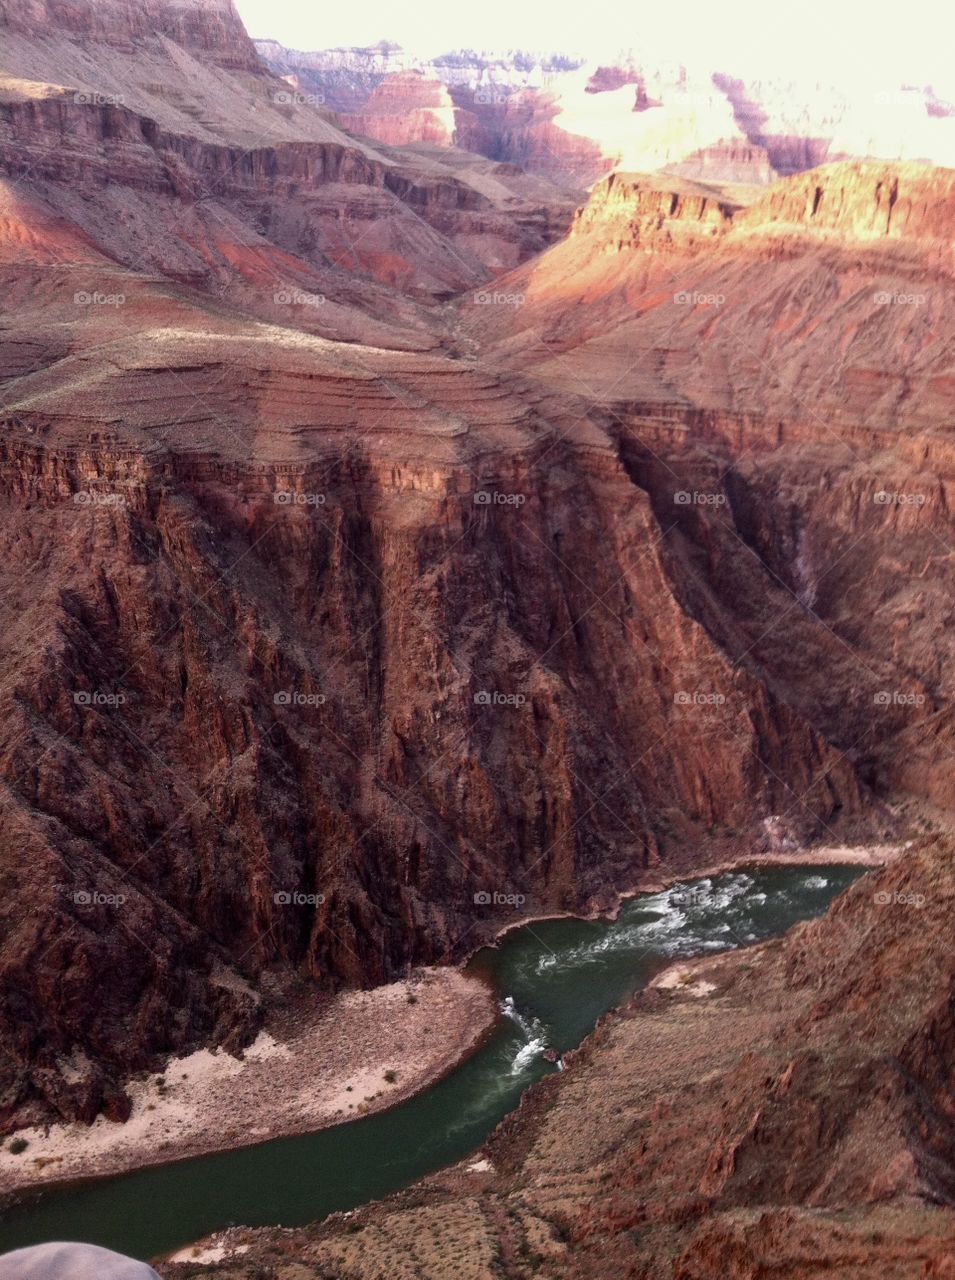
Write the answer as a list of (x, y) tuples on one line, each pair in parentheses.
[(324, 654), (125, 134), (331, 608), (407, 108), (210, 27)]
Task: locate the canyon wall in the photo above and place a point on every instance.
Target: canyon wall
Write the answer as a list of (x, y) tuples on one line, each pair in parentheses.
[(333, 608)]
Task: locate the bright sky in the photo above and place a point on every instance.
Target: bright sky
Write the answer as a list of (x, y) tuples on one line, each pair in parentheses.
[(844, 40)]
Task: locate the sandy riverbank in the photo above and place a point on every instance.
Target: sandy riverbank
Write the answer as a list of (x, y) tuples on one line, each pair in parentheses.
[(330, 1069)]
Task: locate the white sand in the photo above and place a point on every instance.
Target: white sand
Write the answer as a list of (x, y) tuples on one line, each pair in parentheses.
[(331, 1069)]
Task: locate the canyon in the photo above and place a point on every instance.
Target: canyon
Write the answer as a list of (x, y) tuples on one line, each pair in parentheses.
[(574, 120), (778, 1110), (393, 531)]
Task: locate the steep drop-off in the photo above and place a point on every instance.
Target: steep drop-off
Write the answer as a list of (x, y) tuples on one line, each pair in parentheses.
[(331, 610)]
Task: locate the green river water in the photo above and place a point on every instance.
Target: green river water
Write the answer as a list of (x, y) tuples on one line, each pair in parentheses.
[(553, 980)]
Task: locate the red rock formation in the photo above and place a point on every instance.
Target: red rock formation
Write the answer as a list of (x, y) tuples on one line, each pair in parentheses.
[(407, 108), (315, 695), (801, 344), (241, 159), (329, 610), (211, 27)]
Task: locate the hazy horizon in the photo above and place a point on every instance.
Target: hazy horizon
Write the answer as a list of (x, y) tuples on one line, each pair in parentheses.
[(851, 43)]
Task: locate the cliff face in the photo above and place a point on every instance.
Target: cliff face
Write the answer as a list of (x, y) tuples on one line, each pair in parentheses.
[(110, 110), (864, 202), (626, 214), (296, 694), (343, 619), (797, 352), (838, 279), (211, 28), (406, 108)]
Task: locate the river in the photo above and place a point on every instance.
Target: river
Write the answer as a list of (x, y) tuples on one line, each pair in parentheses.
[(553, 980)]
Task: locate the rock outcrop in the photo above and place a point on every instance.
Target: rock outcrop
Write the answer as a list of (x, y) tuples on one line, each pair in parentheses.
[(127, 134), (210, 28)]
